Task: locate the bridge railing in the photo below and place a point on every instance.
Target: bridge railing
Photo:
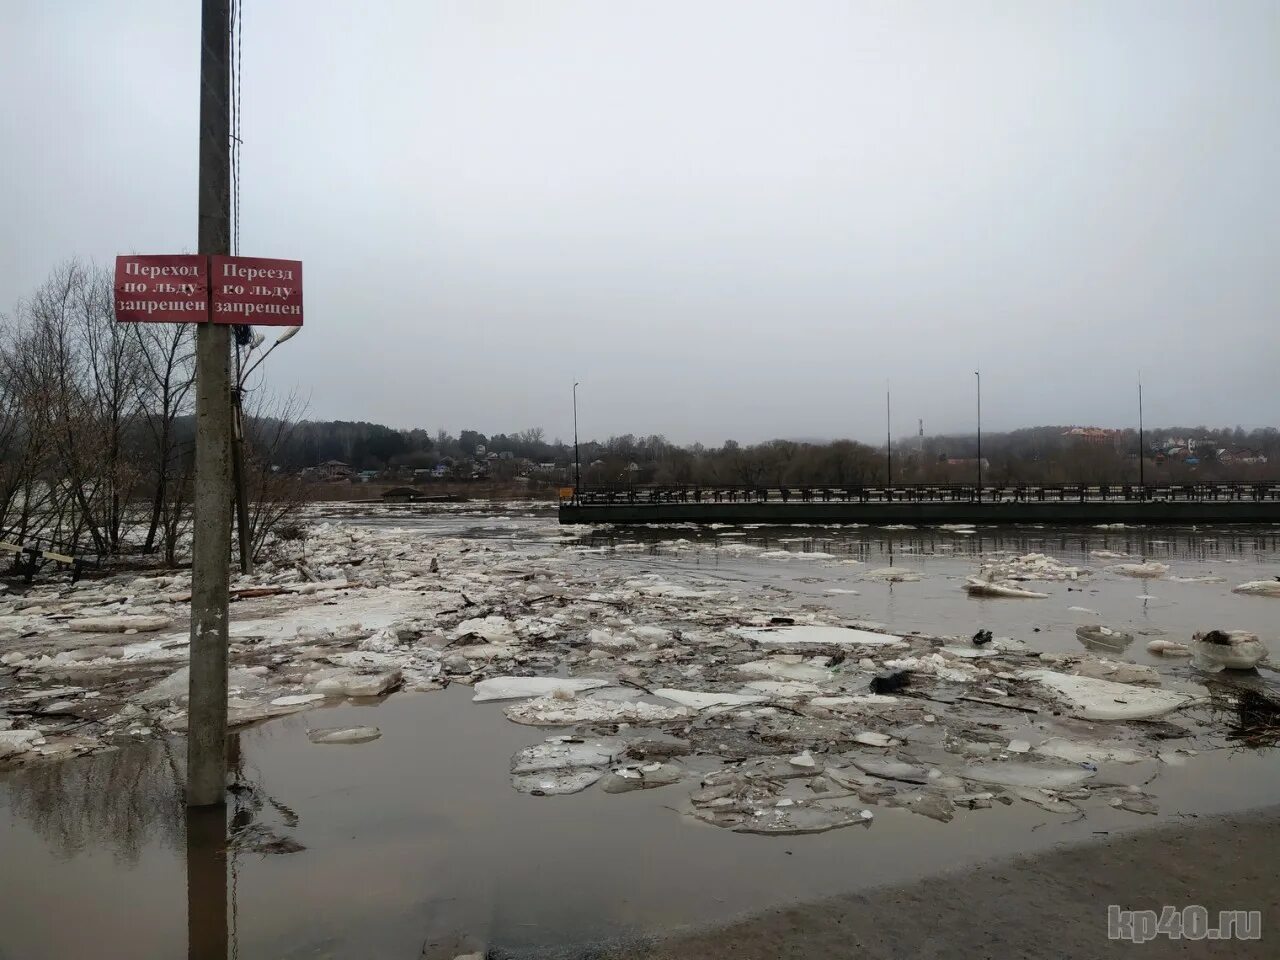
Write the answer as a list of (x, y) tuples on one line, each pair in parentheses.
[(630, 494)]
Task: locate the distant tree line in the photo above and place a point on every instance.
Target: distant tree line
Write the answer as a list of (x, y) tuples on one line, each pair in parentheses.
[(1046, 454)]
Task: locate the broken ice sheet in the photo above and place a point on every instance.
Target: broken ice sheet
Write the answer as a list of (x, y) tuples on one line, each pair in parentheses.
[(816, 636), (1017, 773), (548, 711), (549, 783), (758, 807), (788, 667), (641, 776), (1074, 751), (559, 753), (562, 765), (698, 700), (516, 688), (1092, 699), (887, 768)]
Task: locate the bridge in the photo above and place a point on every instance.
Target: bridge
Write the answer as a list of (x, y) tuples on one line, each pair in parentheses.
[(1071, 503)]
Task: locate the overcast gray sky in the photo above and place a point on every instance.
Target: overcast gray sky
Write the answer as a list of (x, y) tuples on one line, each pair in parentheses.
[(726, 218)]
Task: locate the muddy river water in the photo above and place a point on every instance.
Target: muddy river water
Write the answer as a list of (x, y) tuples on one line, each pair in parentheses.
[(415, 844)]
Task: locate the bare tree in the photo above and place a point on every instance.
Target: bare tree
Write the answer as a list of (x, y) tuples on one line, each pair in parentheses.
[(167, 360)]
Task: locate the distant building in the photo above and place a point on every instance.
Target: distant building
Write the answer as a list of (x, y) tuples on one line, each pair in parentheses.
[(333, 470), (1097, 436)]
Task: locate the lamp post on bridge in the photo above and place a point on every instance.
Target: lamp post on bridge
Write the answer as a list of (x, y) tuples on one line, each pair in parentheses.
[(888, 439), (577, 460), (1142, 447), (978, 374)]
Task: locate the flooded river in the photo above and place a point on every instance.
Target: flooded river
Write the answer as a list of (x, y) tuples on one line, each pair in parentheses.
[(415, 844)]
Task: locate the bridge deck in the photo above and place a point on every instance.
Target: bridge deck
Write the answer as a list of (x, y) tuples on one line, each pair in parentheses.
[(929, 503)]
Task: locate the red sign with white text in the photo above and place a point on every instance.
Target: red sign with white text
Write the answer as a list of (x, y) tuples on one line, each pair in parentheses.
[(255, 290), (162, 289)]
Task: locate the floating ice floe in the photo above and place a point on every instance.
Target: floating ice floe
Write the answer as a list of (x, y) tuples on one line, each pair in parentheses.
[(887, 768), (516, 688), (1168, 648), (1217, 650), (1096, 635), (781, 689), (343, 734), (869, 738), (816, 636), (562, 765), (175, 688), (550, 712), (1076, 751), (1092, 699), (1258, 588), (1149, 570), (296, 701), (976, 587), (1117, 671), (794, 555), (1028, 566), (788, 667), (351, 683), (1020, 773), (641, 776), (893, 575)]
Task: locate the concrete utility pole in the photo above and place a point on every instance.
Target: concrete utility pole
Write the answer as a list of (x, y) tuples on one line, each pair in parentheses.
[(207, 709)]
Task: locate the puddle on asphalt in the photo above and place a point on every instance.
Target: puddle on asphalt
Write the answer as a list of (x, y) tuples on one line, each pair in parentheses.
[(418, 837)]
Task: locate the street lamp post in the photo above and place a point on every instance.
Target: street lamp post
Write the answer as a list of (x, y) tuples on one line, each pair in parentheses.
[(577, 459), (1142, 447), (888, 439), (978, 374)]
